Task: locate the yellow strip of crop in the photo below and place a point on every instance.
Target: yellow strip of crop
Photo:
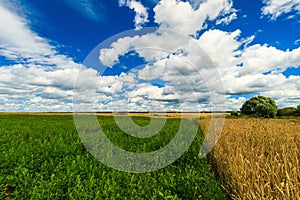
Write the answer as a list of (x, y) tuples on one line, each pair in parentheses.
[(258, 158)]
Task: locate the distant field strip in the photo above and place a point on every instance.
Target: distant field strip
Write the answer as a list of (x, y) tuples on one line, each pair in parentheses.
[(132, 114)]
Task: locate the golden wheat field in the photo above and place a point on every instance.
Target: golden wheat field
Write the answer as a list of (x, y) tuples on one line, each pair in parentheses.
[(258, 158)]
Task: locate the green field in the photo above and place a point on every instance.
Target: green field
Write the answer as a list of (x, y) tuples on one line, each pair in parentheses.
[(42, 157)]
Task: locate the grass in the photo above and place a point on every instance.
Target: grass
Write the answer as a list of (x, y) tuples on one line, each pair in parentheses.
[(258, 158), (42, 157)]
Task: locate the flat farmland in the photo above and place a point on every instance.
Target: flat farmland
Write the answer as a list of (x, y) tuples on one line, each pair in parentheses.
[(258, 158), (42, 157)]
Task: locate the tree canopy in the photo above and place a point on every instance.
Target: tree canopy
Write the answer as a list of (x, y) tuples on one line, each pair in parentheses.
[(261, 106), (298, 110), (289, 111)]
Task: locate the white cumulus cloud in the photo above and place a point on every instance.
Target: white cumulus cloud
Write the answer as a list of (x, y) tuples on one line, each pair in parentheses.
[(177, 70), (141, 13), (276, 8), (182, 17)]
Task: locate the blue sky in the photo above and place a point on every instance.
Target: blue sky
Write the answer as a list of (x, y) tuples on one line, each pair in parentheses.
[(253, 48)]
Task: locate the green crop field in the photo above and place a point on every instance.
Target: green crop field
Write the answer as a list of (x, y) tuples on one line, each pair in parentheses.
[(42, 157)]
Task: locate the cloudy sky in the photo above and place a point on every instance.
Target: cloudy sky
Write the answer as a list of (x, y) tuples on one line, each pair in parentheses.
[(65, 55)]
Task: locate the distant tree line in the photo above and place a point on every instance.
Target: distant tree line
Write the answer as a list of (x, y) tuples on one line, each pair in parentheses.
[(289, 111), (262, 106)]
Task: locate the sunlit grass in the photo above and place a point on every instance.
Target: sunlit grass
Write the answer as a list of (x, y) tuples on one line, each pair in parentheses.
[(42, 157)]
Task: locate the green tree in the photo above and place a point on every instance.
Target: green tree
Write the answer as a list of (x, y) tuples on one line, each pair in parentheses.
[(234, 113), (289, 111), (298, 110), (261, 106)]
